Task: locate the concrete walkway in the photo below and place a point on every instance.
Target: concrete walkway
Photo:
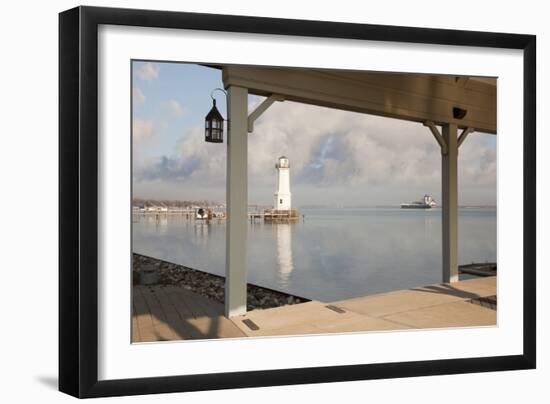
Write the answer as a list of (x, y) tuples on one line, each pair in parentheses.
[(167, 313), (461, 304)]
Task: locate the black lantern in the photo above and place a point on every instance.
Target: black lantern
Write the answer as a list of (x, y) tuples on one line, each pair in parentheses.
[(213, 125)]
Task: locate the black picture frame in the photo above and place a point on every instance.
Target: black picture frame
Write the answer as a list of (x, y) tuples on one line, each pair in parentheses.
[(78, 200)]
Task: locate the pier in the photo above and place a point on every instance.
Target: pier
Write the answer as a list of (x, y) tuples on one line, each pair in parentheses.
[(274, 215), (198, 214), (164, 313), (450, 108), (482, 269)]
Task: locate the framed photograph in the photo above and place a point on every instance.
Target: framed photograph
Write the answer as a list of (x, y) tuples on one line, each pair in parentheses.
[(252, 201)]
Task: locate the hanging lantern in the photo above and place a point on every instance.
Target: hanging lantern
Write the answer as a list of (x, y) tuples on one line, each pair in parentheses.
[(213, 125)]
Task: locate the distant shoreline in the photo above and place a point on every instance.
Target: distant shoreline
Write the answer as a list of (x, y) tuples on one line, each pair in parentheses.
[(390, 206)]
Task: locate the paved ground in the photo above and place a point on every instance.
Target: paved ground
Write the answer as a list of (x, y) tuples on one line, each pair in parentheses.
[(435, 306), (172, 313), (166, 313)]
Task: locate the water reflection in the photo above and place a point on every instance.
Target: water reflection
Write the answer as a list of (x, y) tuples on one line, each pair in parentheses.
[(201, 232), (334, 254), (284, 252), (159, 221)]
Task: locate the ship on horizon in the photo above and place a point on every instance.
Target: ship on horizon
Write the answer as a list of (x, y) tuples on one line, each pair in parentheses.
[(426, 203)]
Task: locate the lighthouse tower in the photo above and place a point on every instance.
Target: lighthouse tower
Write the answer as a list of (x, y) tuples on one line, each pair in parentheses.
[(282, 196)]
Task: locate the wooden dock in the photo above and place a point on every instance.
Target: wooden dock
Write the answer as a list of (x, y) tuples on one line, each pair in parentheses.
[(168, 313), (479, 269), (273, 215), (163, 313)]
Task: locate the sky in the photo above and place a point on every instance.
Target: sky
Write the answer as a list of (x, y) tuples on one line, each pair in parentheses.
[(337, 157)]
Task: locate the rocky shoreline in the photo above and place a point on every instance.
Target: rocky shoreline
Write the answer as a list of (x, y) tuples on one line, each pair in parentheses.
[(205, 284)]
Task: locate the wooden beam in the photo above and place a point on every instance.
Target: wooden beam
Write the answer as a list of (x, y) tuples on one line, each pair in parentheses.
[(461, 80), (437, 136), (260, 109), (412, 97), (464, 135)]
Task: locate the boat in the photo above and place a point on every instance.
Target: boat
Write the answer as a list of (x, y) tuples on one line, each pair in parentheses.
[(426, 203), (202, 214)]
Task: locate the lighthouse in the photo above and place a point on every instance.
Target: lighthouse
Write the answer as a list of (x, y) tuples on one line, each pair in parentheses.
[(282, 196)]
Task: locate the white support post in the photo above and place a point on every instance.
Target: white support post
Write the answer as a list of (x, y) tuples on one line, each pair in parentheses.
[(237, 202), (449, 177)]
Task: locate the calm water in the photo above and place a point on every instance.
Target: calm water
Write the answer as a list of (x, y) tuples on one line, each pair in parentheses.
[(333, 254)]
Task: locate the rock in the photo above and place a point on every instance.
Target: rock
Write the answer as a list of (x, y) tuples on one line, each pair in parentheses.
[(149, 277), (205, 284)]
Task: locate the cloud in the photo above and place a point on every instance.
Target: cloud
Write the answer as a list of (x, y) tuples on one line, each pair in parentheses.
[(138, 97), (335, 155), (352, 147), (148, 71), (329, 147), (174, 107), (369, 158), (142, 130), (171, 169), (193, 161), (477, 162)]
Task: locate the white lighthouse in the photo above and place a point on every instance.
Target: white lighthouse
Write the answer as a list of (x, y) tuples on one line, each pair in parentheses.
[(282, 196)]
